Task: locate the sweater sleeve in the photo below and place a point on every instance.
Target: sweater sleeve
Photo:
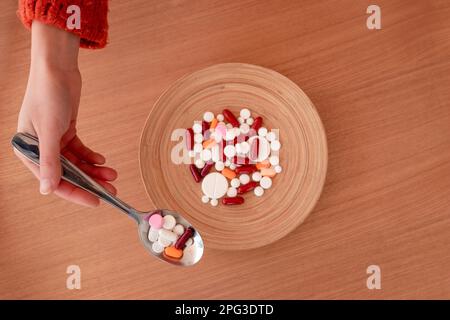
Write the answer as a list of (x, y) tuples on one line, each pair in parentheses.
[(93, 31)]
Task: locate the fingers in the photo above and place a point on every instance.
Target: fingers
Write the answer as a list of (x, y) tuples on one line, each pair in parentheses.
[(81, 151), (99, 172), (50, 166)]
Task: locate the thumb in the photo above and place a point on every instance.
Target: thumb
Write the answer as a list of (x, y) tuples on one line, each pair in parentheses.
[(50, 165)]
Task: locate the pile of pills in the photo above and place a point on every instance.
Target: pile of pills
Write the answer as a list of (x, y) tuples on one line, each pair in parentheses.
[(168, 236), (232, 156)]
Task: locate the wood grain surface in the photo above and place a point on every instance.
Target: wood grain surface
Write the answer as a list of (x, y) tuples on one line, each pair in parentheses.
[(284, 107), (383, 96)]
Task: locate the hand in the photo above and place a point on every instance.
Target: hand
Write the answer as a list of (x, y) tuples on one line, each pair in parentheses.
[(49, 111)]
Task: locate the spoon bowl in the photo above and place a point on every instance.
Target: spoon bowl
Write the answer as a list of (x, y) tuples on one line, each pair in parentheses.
[(28, 146)]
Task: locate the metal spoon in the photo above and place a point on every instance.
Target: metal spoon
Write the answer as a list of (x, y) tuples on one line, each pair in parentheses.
[(28, 145)]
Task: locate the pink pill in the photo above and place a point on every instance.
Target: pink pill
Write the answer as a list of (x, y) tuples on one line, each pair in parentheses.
[(222, 129), (156, 221)]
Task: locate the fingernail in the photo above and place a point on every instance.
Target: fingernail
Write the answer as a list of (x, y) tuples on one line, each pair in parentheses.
[(45, 187)]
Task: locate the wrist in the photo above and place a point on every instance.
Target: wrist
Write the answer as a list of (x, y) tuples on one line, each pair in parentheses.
[(54, 48)]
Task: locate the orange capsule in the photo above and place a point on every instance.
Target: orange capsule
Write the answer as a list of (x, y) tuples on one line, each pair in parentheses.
[(268, 172), (263, 164), (173, 252), (213, 123), (230, 174), (209, 143)]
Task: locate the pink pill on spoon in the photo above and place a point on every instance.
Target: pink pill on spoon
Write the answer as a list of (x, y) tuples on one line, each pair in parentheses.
[(156, 221)]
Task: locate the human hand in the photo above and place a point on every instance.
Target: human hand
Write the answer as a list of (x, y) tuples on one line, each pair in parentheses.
[(49, 111)]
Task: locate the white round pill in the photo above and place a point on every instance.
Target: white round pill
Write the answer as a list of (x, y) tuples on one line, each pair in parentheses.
[(197, 128), (164, 242), (214, 185), (198, 138), (244, 178), (232, 192), (265, 182), (249, 121), (199, 163), (274, 160), (178, 229), (245, 147), (167, 235), (229, 135), (230, 151), (232, 166), (157, 247), (278, 169), (241, 120), (245, 113), (153, 235), (208, 116), (206, 155), (198, 147), (262, 132), (259, 191), (238, 148), (220, 117), (245, 128), (219, 165), (214, 202), (169, 222), (235, 182), (275, 145), (205, 199), (271, 136), (256, 176)]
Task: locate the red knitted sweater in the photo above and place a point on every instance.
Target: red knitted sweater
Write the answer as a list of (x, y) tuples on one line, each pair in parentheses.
[(94, 24)]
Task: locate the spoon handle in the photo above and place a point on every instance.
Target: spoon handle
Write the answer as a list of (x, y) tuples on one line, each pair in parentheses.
[(28, 145)]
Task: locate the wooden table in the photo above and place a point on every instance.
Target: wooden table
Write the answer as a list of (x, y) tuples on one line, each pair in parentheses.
[(383, 96)]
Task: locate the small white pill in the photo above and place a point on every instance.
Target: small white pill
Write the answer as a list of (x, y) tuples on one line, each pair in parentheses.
[(178, 229), (205, 199), (206, 155), (198, 147), (274, 160), (262, 132), (197, 127), (278, 169), (232, 192), (230, 151), (232, 166), (169, 222), (265, 182), (236, 131), (249, 121), (245, 128), (227, 163), (259, 191), (214, 202), (235, 182), (208, 116), (198, 138), (189, 242), (245, 113), (199, 163), (245, 147), (153, 235), (157, 247), (271, 136), (275, 145), (241, 120), (220, 117), (238, 148), (168, 235), (164, 242), (219, 165), (229, 135), (256, 176), (244, 178)]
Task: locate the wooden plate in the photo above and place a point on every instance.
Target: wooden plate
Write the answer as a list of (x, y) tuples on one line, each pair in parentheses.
[(303, 155)]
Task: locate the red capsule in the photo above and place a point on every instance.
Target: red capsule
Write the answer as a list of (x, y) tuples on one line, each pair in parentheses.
[(229, 116), (181, 242), (195, 173), (206, 168), (189, 139), (205, 130), (247, 169), (232, 200), (247, 187), (254, 149), (257, 123)]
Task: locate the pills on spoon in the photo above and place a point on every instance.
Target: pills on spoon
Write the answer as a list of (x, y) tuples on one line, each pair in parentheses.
[(234, 155)]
